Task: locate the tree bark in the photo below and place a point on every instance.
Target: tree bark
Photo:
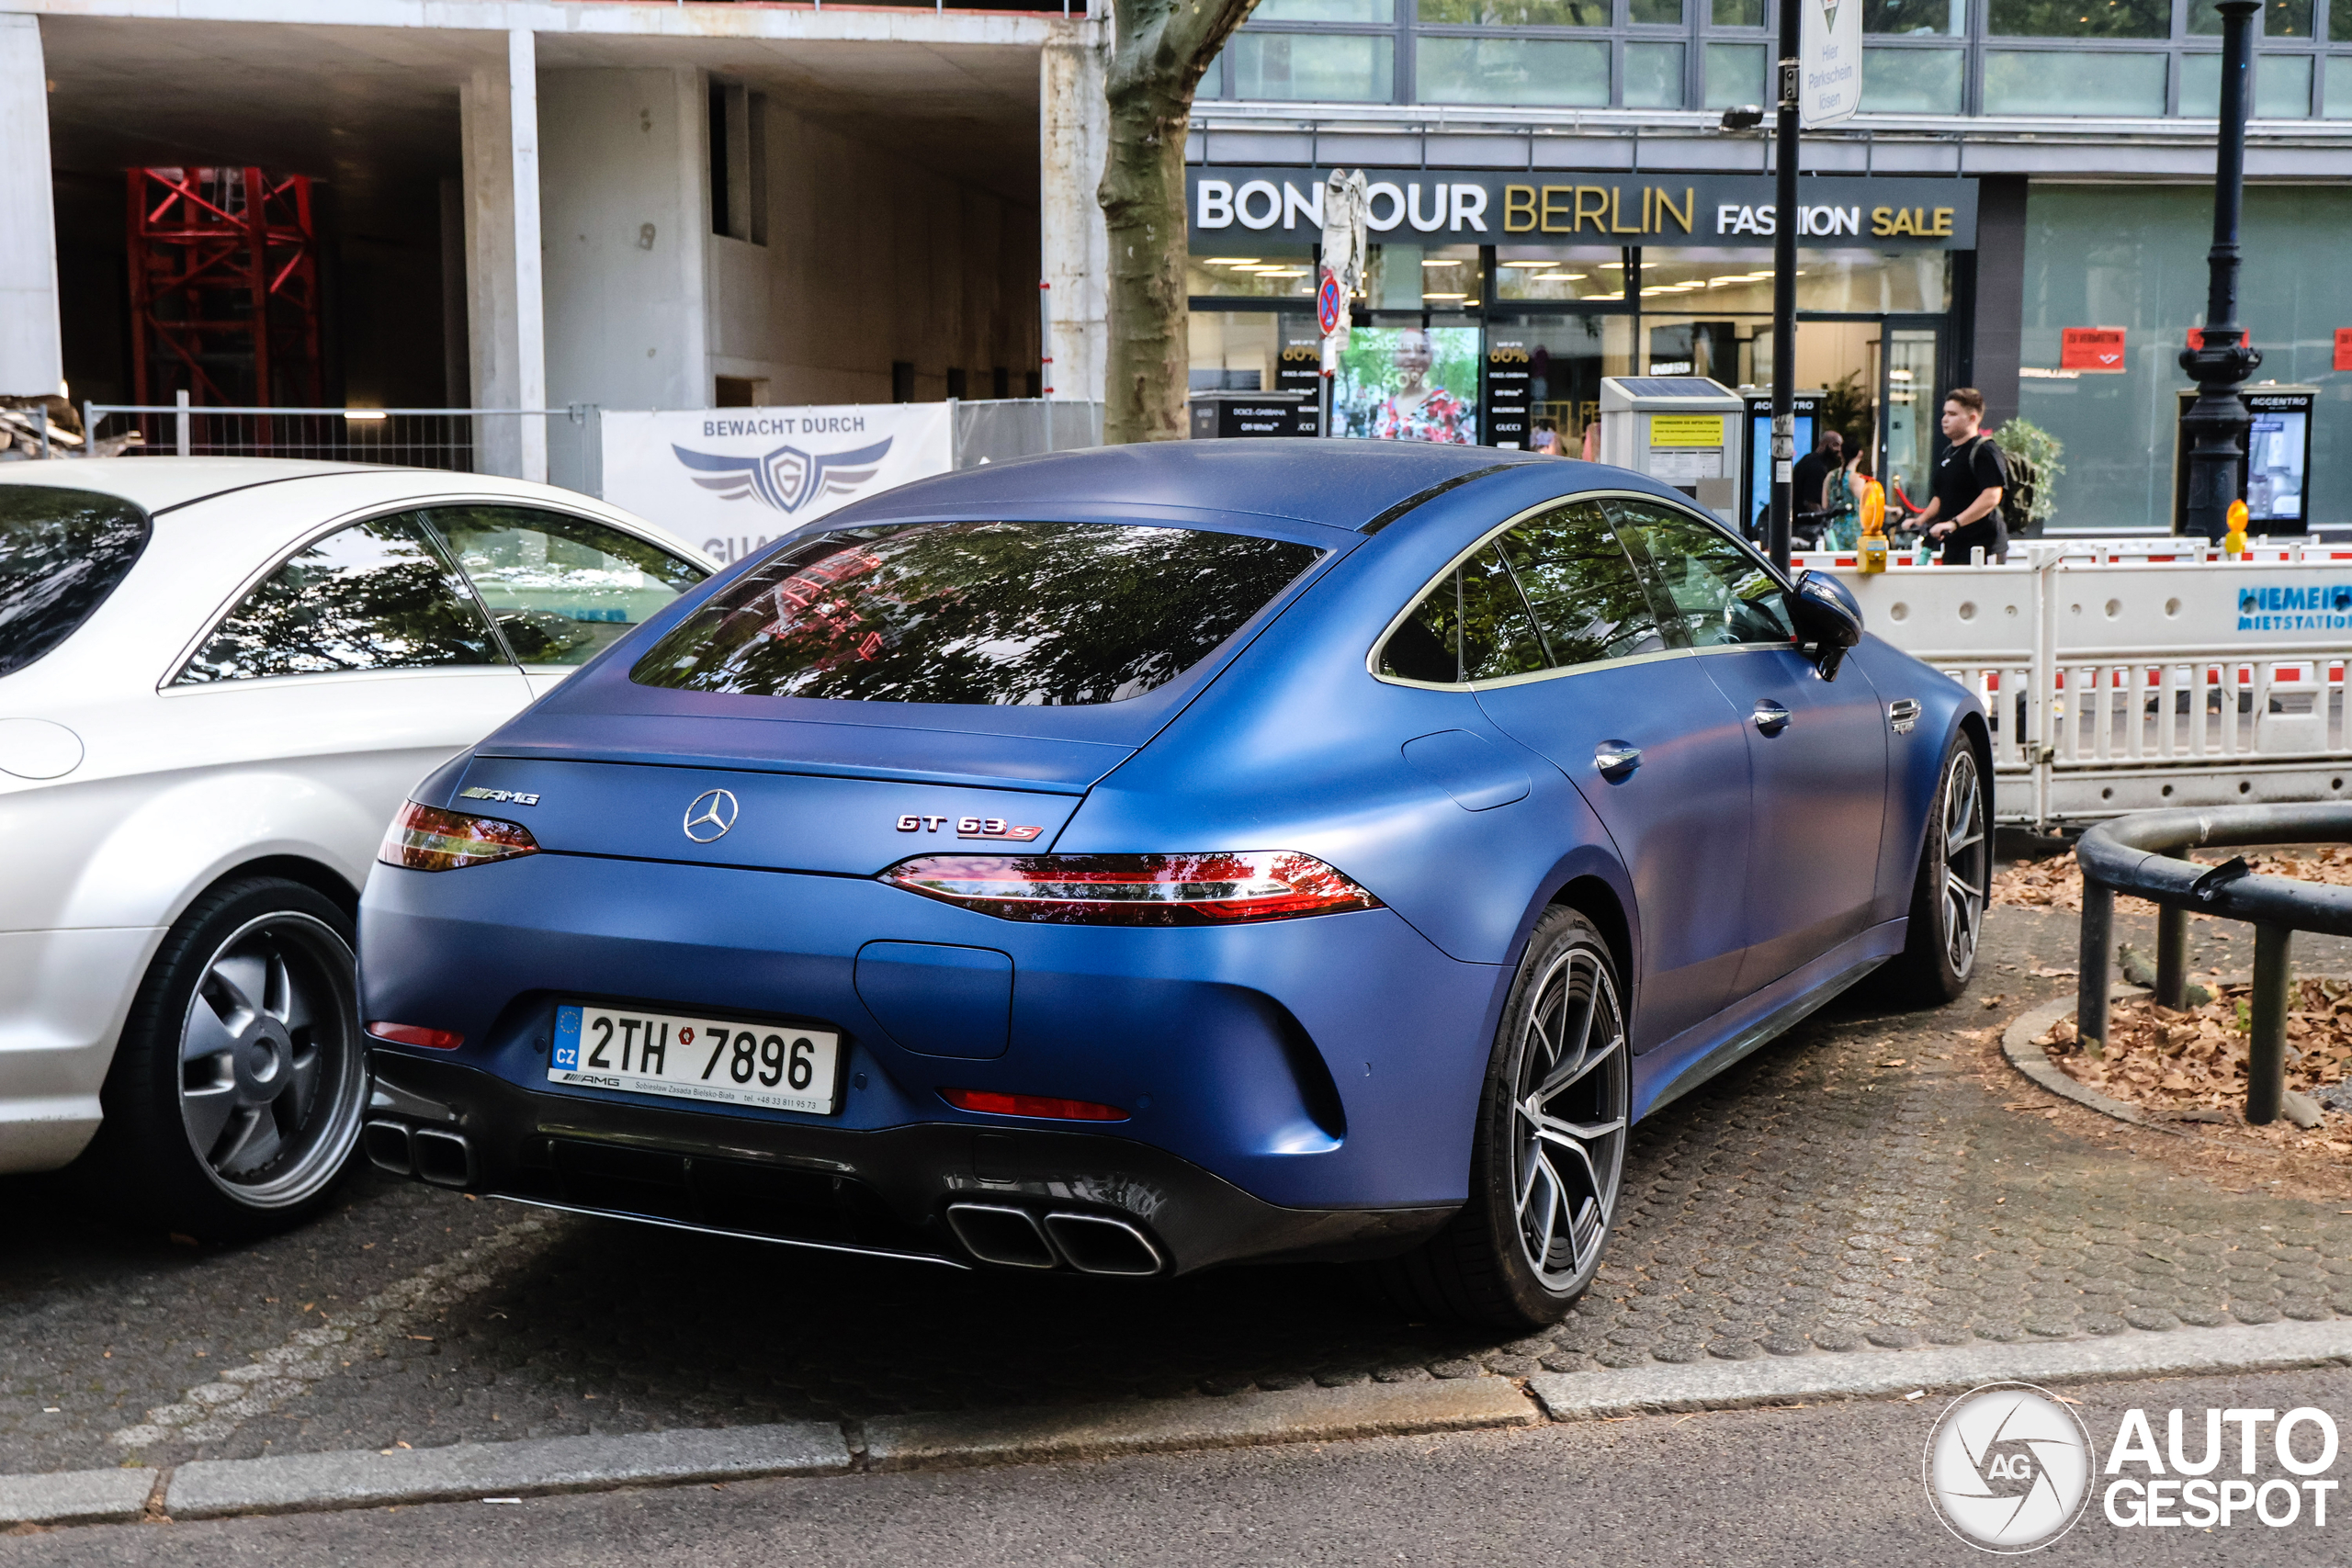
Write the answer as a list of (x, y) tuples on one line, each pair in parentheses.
[(1162, 47)]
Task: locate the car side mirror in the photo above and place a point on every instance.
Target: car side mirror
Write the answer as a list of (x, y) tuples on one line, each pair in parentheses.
[(1828, 621)]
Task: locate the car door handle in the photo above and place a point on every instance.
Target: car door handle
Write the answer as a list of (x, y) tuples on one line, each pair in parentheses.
[(1770, 717), (1616, 757)]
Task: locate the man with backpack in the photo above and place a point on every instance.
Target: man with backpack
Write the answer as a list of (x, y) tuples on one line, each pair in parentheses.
[(1971, 477)]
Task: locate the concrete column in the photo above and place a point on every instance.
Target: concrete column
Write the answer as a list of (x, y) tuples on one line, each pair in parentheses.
[(32, 358), (628, 230), (499, 120), (1073, 124)]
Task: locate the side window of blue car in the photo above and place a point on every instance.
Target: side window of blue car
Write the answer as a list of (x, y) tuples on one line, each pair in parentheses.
[(1554, 593), (1711, 592), (1587, 600)]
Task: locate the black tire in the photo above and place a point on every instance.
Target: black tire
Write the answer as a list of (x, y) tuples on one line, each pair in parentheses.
[(1500, 1262), (250, 1138), (1949, 895)]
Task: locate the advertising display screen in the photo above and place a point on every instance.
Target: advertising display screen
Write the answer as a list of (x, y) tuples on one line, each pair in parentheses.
[(1408, 384), (2278, 453)]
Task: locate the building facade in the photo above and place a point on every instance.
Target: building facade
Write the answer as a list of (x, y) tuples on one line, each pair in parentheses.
[(642, 203)]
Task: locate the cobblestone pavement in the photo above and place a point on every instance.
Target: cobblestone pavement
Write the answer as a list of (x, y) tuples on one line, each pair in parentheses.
[(1855, 1184)]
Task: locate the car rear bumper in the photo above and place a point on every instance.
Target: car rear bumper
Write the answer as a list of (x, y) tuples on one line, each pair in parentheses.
[(929, 1190), (1328, 1063)]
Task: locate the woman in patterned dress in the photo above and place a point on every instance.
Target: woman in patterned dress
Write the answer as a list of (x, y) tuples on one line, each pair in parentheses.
[(1419, 411)]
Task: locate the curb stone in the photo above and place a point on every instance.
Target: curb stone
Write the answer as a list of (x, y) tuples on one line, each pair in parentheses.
[(366, 1477), (2016, 1045), (351, 1479), (998, 1436), (75, 1497), (1729, 1385)]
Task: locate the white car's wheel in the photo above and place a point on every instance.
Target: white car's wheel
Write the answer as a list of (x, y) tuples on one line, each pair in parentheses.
[(235, 1097)]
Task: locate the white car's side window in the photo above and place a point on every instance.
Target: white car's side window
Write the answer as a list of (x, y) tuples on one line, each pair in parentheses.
[(561, 588), (377, 595)]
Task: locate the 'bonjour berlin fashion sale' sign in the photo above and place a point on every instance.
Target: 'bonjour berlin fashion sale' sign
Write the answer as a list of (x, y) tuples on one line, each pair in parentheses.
[(1262, 206)]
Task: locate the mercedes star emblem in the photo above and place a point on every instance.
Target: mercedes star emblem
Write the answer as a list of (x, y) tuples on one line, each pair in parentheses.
[(710, 815)]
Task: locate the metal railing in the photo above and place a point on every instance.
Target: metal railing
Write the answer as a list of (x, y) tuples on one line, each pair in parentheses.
[(2138, 855), (455, 440)]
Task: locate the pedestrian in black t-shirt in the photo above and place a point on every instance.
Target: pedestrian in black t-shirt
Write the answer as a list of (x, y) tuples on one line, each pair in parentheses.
[(1970, 480), (1810, 477)]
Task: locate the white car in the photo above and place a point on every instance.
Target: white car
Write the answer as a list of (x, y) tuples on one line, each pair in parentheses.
[(218, 678)]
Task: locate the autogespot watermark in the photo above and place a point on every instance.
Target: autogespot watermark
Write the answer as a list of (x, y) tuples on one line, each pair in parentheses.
[(2010, 1468)]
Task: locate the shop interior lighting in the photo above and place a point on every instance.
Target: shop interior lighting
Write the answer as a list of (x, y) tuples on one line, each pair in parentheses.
[(358, 416), (1426, 295), (1232, 261)]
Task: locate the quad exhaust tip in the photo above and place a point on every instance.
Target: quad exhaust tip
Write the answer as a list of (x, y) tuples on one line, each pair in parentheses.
[(444, 1158), (1092, 1244)]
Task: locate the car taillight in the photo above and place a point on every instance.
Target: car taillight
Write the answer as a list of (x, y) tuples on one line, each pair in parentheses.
[(1135, 890), (425, 837), (1044, 1106), (416, 1034)]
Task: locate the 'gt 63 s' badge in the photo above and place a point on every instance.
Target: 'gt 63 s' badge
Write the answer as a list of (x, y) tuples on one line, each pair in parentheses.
[(971, 827)]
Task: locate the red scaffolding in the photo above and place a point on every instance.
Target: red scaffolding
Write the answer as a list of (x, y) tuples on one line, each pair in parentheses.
[(224, 287)]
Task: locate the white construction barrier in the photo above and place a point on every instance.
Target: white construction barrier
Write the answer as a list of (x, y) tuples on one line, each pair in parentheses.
[(2122, 680)]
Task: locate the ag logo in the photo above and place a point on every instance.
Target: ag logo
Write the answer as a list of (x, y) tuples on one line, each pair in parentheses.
[(787, 479), (2008, 1468)]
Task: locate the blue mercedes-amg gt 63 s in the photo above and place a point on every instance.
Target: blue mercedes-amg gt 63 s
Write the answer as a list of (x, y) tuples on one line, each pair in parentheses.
[(1131, 861)]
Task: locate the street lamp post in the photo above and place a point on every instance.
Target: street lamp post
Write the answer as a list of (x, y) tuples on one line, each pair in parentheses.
[(1784, 290), (2217, 422)]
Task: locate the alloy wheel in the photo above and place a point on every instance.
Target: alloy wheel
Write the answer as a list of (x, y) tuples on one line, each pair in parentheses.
[(1568, 1119), (272, 1075), (1966, 859)]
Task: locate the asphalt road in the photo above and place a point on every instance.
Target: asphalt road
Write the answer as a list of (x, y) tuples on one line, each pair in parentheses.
[(1816, 1487)]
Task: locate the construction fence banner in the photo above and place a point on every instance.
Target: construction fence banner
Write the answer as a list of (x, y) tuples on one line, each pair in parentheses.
[(733, 479)]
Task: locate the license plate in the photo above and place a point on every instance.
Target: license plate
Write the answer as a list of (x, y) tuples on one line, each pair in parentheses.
[(779, 1066)]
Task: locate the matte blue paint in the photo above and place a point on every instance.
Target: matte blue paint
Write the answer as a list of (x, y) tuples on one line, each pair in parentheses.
[(938, 1000), (1473, 771), (1754, 874)]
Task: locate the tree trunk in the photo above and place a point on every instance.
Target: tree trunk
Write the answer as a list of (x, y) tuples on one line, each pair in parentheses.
[(1160, 53)]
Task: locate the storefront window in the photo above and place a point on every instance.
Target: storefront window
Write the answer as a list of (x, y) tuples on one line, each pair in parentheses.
[(2081, 19), (1913, 16), (2055, 82), (1513, 71), (2134, 257), (1242, 352), (2280, 18), (1845, 282), (1738, 13), (1253, 277), (2282, 85), (2339, 24), (1325, 11), (1736, 75), (1314, 67), (1517, 13), (1411, 278), (1652, 75), (1653, 13), (1589, 274), (2339, 86), (1911, 81)]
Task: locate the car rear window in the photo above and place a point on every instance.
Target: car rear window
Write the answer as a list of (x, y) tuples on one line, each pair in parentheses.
[(1010, 613), (62, 552)]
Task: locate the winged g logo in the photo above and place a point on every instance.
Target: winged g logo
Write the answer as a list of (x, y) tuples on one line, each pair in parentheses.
[(787, 479)]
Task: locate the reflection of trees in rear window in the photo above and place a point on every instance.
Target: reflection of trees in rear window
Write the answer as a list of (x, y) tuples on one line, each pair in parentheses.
[(373, 596), (62, 552), (976, 613)]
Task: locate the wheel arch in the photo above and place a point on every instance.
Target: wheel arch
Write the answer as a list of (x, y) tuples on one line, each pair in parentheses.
[(1597, 901)]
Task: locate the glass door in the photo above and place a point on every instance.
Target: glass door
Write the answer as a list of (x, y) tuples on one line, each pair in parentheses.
[(1910, 401)]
